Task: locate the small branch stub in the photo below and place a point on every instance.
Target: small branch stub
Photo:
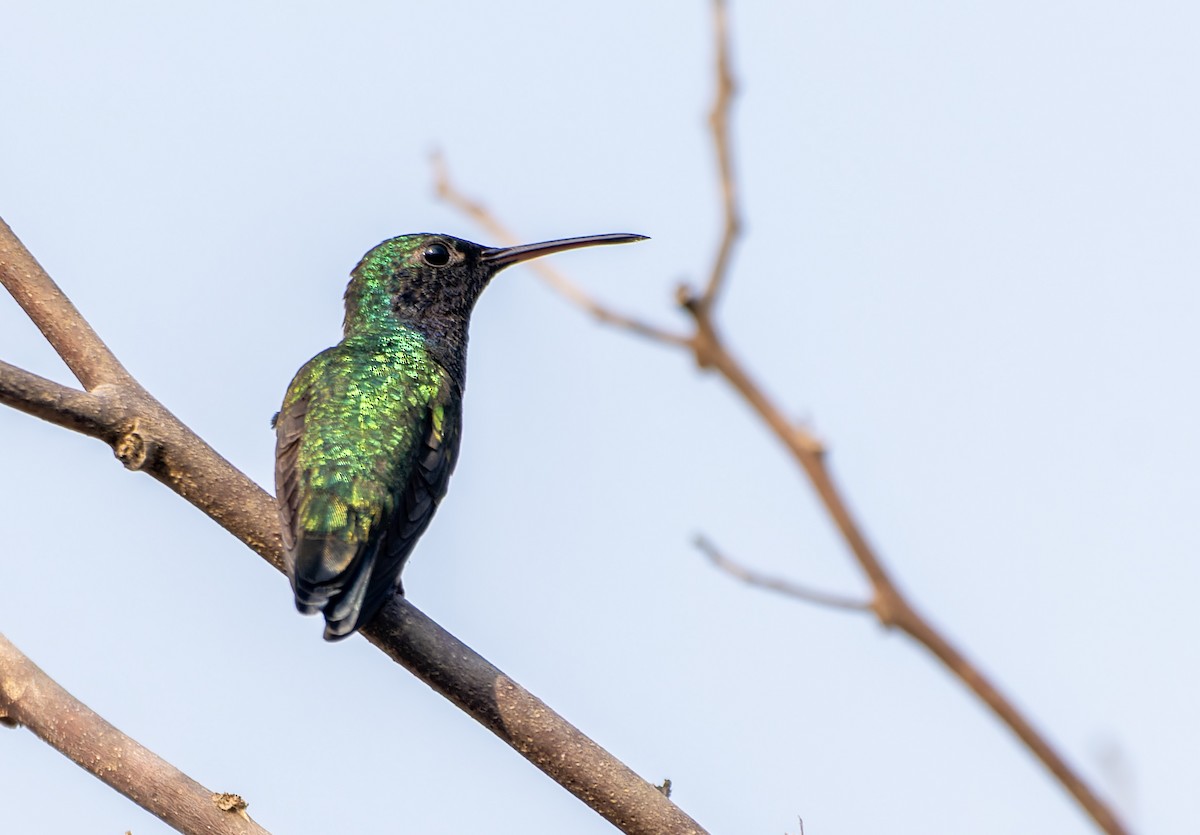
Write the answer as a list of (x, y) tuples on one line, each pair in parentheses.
[(229, 802), (135, 448)]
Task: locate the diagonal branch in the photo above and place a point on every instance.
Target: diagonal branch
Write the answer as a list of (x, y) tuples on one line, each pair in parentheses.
[(146, 436), (31, 698), (889, 604)]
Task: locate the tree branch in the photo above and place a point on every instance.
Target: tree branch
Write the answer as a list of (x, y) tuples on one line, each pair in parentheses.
[(31, 698), (889, 604), (786, 587), (516, 716), (146, 436)]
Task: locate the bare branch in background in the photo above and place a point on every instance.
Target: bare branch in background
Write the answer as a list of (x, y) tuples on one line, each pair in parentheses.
[(571, 291), (785, 587), (145, 436), (31, 698), (889, 604), (718, 121)]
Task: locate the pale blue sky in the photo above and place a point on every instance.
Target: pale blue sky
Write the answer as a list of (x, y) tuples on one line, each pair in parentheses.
[(970, 264)]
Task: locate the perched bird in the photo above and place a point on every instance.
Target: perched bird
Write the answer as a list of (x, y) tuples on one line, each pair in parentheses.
[(369, 430)]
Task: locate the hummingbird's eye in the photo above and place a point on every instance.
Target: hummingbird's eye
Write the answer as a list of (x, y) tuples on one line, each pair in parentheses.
[(436, 255)]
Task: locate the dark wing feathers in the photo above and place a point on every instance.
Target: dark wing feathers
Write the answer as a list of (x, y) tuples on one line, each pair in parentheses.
[(417, 502), (289, 429)]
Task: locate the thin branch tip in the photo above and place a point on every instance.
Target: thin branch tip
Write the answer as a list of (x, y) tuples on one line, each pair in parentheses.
[(775, 584)]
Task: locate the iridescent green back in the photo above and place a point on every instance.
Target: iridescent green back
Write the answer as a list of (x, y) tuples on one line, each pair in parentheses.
[(367, 404)]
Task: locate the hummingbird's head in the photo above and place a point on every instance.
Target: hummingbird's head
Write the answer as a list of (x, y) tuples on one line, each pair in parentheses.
[(435, 280)]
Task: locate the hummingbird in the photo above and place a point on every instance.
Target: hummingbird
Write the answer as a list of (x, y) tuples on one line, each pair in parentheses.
[(369, 429)]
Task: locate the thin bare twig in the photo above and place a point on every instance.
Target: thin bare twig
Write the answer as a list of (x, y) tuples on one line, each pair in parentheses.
[(31, 698), (718, 121), (785, 587), (571, 291), (889, 604), (146, 436)]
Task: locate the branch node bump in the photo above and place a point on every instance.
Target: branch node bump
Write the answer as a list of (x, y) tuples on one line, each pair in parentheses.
[(812, 445), (687, 297), (135, 449), (229, 802), (885, 610)]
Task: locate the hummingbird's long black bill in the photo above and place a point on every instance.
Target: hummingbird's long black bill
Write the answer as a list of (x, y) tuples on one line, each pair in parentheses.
[(503, 256)]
